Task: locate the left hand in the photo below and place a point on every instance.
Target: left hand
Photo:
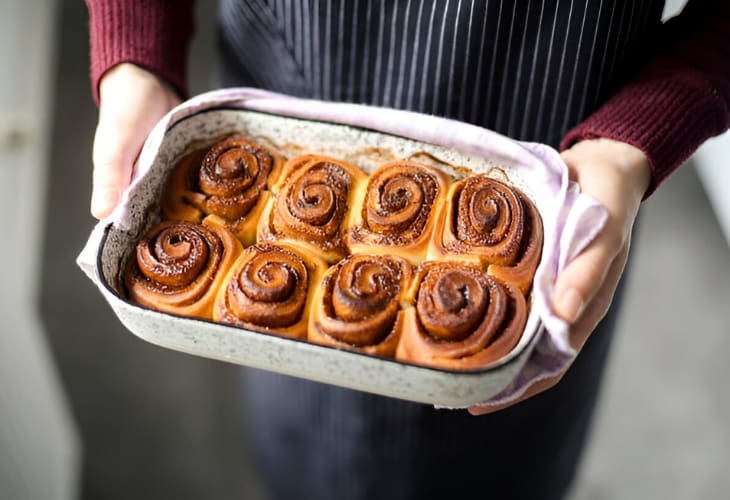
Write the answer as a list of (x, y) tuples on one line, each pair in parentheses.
[(617, 175), (131, 101)]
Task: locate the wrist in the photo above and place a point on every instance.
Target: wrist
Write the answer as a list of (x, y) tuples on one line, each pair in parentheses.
[(630, 163), (126, 77)]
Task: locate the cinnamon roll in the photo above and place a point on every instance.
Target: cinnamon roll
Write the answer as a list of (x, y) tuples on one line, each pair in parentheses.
[(462, 319), (489, 222), (269, 290), (311, 203), (359, 304), (230, 180), (178, 266), (397, 214)]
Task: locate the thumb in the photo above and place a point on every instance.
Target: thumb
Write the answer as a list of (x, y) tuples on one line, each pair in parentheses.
[(115, 150)]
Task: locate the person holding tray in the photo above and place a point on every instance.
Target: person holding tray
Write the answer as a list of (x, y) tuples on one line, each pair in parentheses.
[(626, 98)]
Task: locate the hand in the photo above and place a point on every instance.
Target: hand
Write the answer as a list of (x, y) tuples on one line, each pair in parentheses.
[(617, 175), (131, 101)]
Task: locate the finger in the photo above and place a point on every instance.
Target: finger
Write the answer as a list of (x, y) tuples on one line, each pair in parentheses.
[(115, 149), (583, 277), (601, 302)]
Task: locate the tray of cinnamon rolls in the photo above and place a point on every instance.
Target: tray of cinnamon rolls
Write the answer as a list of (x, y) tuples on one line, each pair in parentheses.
[(333, 253)]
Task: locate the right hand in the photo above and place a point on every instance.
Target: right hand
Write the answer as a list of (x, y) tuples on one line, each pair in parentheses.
[(617, 175), (131, 101)]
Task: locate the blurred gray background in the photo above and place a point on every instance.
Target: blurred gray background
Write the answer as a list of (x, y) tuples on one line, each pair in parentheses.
[(159, 424)]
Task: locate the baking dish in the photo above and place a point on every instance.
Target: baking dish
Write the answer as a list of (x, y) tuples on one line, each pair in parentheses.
[(291, 136)]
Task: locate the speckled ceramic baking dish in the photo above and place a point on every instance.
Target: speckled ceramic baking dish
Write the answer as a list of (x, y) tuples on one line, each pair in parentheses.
[(281, 354)]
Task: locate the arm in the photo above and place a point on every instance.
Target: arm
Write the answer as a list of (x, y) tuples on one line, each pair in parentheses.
[(138, 63), (624, 150), (679, 99)]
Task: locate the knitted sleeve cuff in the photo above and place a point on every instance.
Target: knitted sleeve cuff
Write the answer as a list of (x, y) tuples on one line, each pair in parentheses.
[(152, 34), (667, 112)]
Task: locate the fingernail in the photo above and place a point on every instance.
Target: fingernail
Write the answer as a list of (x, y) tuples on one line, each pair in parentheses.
[(570, 305), (103, 201)]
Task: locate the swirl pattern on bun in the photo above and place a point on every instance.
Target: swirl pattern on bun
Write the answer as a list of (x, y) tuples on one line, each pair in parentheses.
[(397, 212), (359, 304), (178, 267), (269, 290), (488, 222), (462, 318), (310, 205), (230, 180)]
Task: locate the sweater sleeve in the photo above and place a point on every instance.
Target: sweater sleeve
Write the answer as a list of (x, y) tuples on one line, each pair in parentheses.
[(679, 99), (154, 34)]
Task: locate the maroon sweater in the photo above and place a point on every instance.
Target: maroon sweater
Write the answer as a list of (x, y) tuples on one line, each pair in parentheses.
[(679, 99)]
